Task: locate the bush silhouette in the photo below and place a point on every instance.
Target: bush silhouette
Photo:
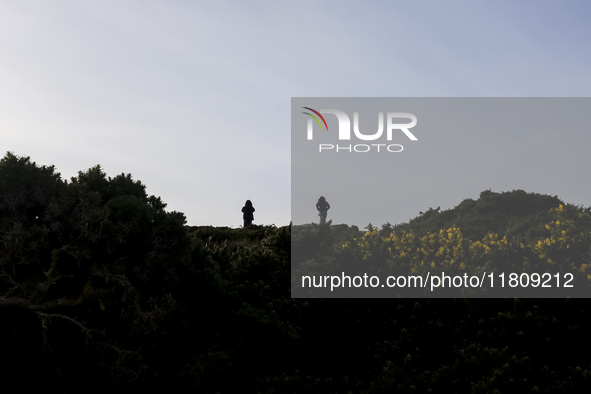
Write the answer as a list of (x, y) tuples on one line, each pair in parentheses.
[(87, 272)]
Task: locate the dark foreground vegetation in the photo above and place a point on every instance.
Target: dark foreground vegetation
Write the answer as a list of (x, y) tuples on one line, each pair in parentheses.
[(102, 289)]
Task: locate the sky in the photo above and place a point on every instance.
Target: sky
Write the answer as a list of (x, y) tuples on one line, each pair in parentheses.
[(456, 148), (193, 97)]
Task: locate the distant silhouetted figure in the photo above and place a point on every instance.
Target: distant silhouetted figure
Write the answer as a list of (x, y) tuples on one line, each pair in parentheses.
[(248, 211), (322, 206)]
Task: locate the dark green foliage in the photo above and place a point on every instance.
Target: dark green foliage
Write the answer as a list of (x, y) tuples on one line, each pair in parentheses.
[(506, 213), (271, 343), (249, 236), (250, 290), (145, 308), (317, 241), (87, 272)]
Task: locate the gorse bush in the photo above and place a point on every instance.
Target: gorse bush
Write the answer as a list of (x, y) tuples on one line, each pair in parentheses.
[(102, 289), (88, 269), (562, 247), (557, 241), (507, 213)]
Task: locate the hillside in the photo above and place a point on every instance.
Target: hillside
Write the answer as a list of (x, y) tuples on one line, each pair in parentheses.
[(514, 213), (500, 234), (103, 289)]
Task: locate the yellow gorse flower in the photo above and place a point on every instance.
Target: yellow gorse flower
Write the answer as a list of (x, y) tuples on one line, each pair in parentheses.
[(447, 249)]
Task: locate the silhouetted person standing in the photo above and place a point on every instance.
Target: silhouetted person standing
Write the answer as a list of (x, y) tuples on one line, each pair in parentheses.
[(248, 211), (322, 206)]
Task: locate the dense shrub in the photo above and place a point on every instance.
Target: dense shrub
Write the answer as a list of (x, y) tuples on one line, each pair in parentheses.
[(88, 269), (102, 289)]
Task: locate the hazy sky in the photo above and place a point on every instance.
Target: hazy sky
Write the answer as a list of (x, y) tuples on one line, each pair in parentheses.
[(464, 146), (193, 97)]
